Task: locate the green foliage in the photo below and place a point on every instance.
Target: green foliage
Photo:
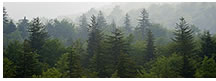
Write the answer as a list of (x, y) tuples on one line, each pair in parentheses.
[(83, 32), (38, 35), (127, 25), (13, 51), (208, 46), (185, 46), (62, 64), (101, 22), (9, 70), (51, 51), (150, 48), (138, 50), (28, 63), (143, 22), (9, 27), (69, 64), (23, 27), (63, 30), (168, 67), (51, 73), (207, 68), (126, 68)]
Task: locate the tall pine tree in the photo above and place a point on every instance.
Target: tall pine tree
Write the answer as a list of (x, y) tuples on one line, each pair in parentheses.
[(184, 46), (150, 48), (83, 27), (22, 26), (101, 21), (38, 35), (127, 24), (143, 22), (207, 45)]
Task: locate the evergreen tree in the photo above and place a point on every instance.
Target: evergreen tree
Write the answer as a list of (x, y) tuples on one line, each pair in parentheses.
[(116, 43), (51, 51), (143, 22), (75, 70), (83, 27), (62, 65), (22, 26), (164, 67), (51, 73), (13, 51), (38, 35), (126, 68), (10, 27), (207, 45), (101, 21), (150, 48), (127, 24), (27, 63), (9, 69), (113, 26), (184, 46), (69, 64), (207, 68), (94, 39), (5, 16)]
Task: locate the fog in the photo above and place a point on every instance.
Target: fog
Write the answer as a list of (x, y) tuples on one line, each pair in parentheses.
[(18, 10), (166, 14)]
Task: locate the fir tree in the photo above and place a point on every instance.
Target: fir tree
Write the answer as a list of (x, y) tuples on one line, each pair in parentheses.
[(207, 45), (94, 39), (150, 48), (27, 62), (184, 46), (127, 24), (38, 35), (143, 22), (22, 26), (126, 68), (83, 27), (113, 26), (9, 69), (101, 20)]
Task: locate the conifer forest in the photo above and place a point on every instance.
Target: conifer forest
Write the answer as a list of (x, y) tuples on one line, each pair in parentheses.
[(118, 40)]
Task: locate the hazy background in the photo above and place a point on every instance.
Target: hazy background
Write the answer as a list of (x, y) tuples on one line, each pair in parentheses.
[(202, 15)]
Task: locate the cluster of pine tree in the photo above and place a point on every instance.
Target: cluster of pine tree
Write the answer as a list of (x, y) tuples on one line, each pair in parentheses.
[(102, 50)]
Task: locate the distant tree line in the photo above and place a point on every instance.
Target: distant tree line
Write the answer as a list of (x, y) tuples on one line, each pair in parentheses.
[(98, 49)]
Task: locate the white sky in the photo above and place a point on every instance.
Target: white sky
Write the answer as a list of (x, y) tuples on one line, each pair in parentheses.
[(17, 10)]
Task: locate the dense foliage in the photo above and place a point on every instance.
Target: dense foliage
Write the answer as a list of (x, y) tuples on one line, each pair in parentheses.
[(95, 48)]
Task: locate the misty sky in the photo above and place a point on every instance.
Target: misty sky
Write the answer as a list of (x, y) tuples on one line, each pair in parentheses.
[(18, 10)]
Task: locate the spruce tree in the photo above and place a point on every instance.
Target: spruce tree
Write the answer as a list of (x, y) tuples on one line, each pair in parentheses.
[(184, 46), (143, 23), (101, 21), (27, 62), (126, 68), (116, 43), (8, 24), (94, 39), (150, 48), (5, 16), (113, 26), (207, 45), (69, 64), (9, 68), (127, 24), (75, 70), (22, 26), (38, 35), (83, 27)]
